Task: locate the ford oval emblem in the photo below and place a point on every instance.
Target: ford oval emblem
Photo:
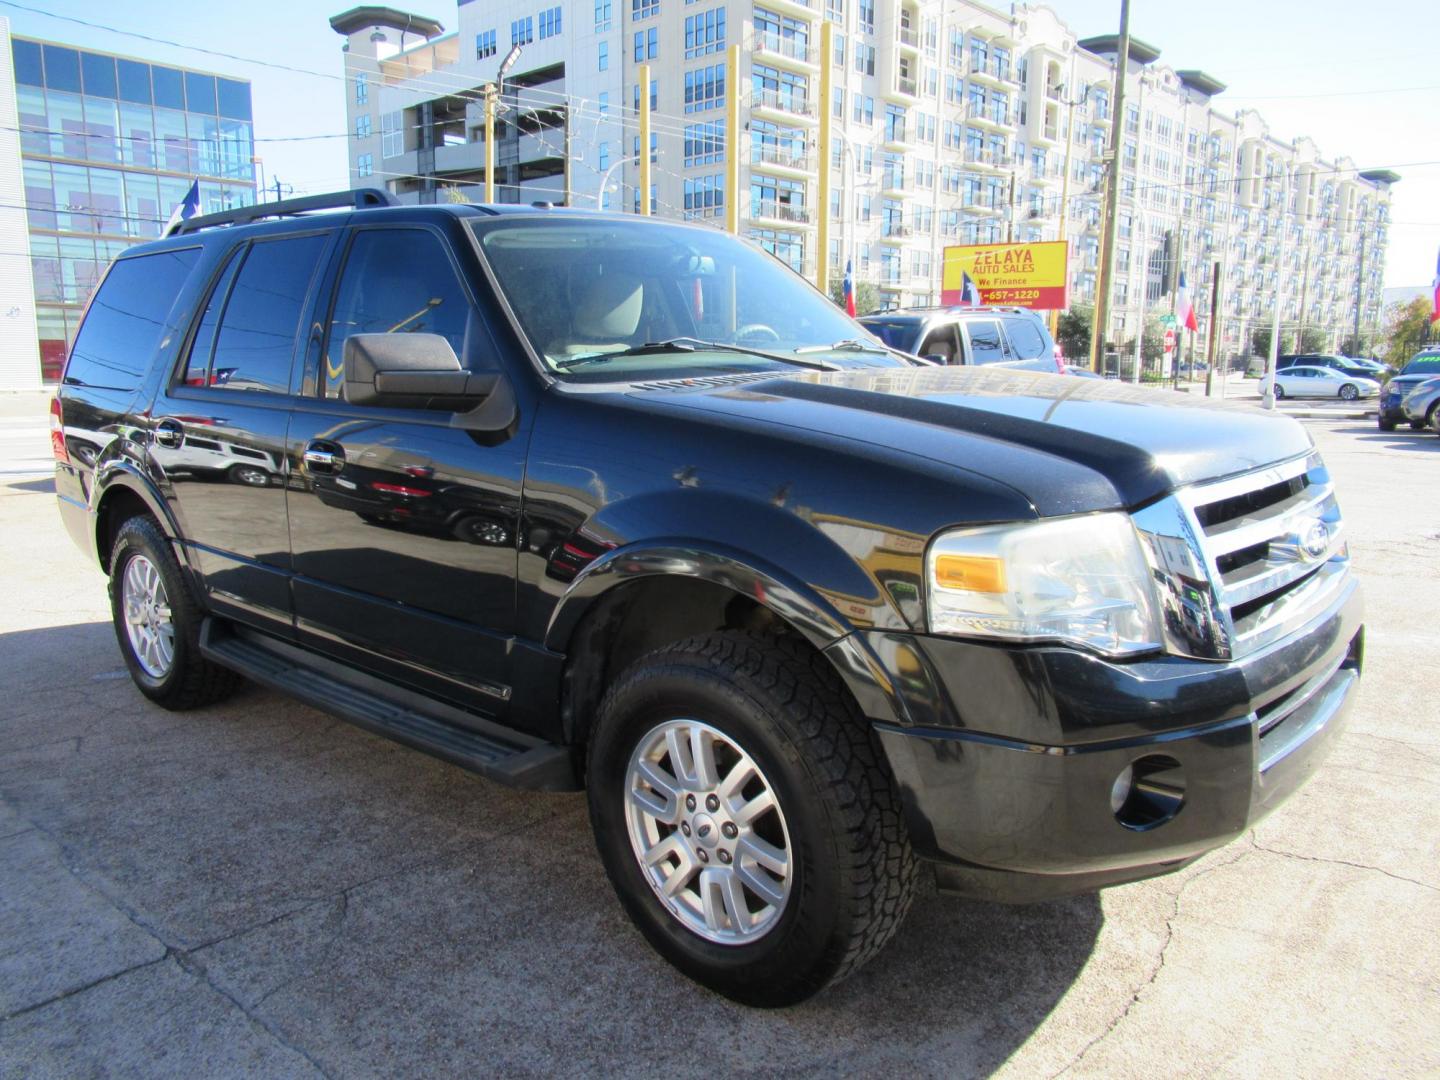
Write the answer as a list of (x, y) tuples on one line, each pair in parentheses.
[(1315, 540)]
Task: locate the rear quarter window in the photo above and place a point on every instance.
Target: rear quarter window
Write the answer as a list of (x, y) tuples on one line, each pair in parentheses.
[(128, 320), (1026, 341)]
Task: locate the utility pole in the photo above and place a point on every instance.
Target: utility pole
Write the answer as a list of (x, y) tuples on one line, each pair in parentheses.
[(1359, 288), (643, 74), (732, 137), (1070, 104), (1214, 328), (1267, 386), (1112, 194), (569, 194), (490, 94), (822, 150), (281, 190)]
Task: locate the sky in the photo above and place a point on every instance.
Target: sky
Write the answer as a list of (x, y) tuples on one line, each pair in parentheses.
[(1359, 79)]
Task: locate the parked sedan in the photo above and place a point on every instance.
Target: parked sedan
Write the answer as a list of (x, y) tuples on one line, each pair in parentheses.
[(1422, 405), (1322, 382)]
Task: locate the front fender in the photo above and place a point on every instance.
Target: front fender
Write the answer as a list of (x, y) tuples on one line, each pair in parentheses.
[(800, 606)]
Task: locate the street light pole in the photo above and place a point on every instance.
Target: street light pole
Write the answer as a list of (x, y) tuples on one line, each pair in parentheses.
[(605, 180), (1267, 387)]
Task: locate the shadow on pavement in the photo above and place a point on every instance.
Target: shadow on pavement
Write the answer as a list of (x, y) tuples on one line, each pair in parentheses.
[(1424, 442), (43, 486), (390, 913)]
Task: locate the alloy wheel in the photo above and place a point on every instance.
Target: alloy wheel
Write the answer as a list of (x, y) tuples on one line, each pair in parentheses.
[(708, 832), (148, 621)]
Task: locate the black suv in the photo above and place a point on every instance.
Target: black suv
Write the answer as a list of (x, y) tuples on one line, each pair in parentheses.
[(1346, 365), (1423, 365), (575, 499), (1003, 336)]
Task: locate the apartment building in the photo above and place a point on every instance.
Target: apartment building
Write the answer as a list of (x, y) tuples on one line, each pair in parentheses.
[(952, 123), (104, 146)]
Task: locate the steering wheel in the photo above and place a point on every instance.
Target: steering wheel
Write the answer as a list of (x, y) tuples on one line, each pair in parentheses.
[(758, 332)]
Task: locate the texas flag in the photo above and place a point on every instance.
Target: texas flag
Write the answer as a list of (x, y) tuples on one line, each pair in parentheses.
[(849, 291), (1184, 309), (187, 208), (969, 291), (1435, 291)]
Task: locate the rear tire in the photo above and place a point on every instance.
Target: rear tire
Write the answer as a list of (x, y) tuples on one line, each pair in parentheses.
[(848, 870), (1348, 392), (157, 622), (1415, 425), (1279, 392)]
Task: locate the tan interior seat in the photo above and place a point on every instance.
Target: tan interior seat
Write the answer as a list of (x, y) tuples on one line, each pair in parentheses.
[(606, 318)]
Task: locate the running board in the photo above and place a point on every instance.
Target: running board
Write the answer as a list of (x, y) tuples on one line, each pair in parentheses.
[(508, 757)]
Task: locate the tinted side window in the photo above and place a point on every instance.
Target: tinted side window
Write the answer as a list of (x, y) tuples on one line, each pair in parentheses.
[(396, 281), (126, 320), (197, 367), (256, 341), (1025, 339), (941, 343), (985, 347)]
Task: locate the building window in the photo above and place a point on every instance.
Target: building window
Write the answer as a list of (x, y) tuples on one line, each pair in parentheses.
[(864, 110), (485, 44), (522, 31), (604, 156), (643, 9), (705, 88), (704, 195), (704, 33), (867, 16), (864, 58), (835, 11), (654, 95), (365, 165), (604, 102), (705, 143), (362, 89), (549, 23), (362, 126), (602, 16), (647, 44), (392, 134), (603, 63)]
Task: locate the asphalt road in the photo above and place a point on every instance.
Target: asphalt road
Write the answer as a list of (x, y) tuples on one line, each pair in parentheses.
[(259, 890)]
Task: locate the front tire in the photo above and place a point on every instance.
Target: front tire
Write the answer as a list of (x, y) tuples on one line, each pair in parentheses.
[(1386, 425), (1279, 392), (157, 622), (746, 818)]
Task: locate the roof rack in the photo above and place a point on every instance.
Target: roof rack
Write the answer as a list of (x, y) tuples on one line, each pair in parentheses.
[(358, 199)]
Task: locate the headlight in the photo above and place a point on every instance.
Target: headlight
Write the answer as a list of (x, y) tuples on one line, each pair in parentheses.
[(1081, 580)]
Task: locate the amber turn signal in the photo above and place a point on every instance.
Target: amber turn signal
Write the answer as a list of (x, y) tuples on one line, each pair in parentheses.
[(973, 573)]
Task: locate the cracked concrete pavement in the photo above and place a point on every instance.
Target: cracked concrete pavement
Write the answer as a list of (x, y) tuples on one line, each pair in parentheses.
[(259, 889)]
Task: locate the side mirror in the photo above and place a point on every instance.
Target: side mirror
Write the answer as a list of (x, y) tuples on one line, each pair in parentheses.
[(417, 371)]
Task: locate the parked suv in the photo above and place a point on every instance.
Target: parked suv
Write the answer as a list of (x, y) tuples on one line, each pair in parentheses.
[(1346, 365), (585, 500), (1002, 336), (1422, 366)]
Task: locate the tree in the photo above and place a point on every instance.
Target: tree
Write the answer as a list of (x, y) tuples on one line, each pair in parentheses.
[(867, 300), (1350, 345), (1072, 332), (1407, 326), (1260, 341), (1312, 340), (1152, 342)]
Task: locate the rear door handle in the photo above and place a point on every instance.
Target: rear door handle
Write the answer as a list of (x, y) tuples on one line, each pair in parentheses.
[(323, 457), (169, 433)]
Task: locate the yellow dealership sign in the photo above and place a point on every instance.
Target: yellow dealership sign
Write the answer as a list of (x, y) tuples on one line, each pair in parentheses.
[(1018, 275)]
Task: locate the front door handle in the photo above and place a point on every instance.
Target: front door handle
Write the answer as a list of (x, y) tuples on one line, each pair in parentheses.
[(322, 457), (169, 433)]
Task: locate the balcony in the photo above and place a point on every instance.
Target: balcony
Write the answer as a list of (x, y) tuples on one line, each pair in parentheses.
[(894, 181), (895, 233), (783, 103), (781, 157), (988, 116), (773, 210), (988, 158), (904, 89), (993, 71), (897, 135), (778, 46), (907, 38)]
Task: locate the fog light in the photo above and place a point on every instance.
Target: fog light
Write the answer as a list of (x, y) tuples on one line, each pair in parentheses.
[(1121, 791), (1148, 792)]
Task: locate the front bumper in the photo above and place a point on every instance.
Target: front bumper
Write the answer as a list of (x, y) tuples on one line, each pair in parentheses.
[(1007, 774)]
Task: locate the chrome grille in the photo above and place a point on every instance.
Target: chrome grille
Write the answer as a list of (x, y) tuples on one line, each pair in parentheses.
[(1244, 561)]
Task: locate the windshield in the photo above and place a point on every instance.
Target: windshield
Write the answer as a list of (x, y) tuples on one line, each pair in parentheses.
[(599, 289), (1424, 364), (897, 333)]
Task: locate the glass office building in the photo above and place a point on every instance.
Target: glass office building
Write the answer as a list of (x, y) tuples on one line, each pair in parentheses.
[(109, 146)]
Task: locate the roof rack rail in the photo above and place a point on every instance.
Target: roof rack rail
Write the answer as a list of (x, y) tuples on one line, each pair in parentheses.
[(358, 199)]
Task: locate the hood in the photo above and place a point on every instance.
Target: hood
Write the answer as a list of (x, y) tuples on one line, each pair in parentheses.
[(1071, 445)]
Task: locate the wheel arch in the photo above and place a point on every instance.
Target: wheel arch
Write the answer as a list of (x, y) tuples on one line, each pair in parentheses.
[(639, 598), (121, 492)]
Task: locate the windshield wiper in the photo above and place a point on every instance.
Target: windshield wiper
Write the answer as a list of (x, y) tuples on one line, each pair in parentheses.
[(689, 345), (848, 345)]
